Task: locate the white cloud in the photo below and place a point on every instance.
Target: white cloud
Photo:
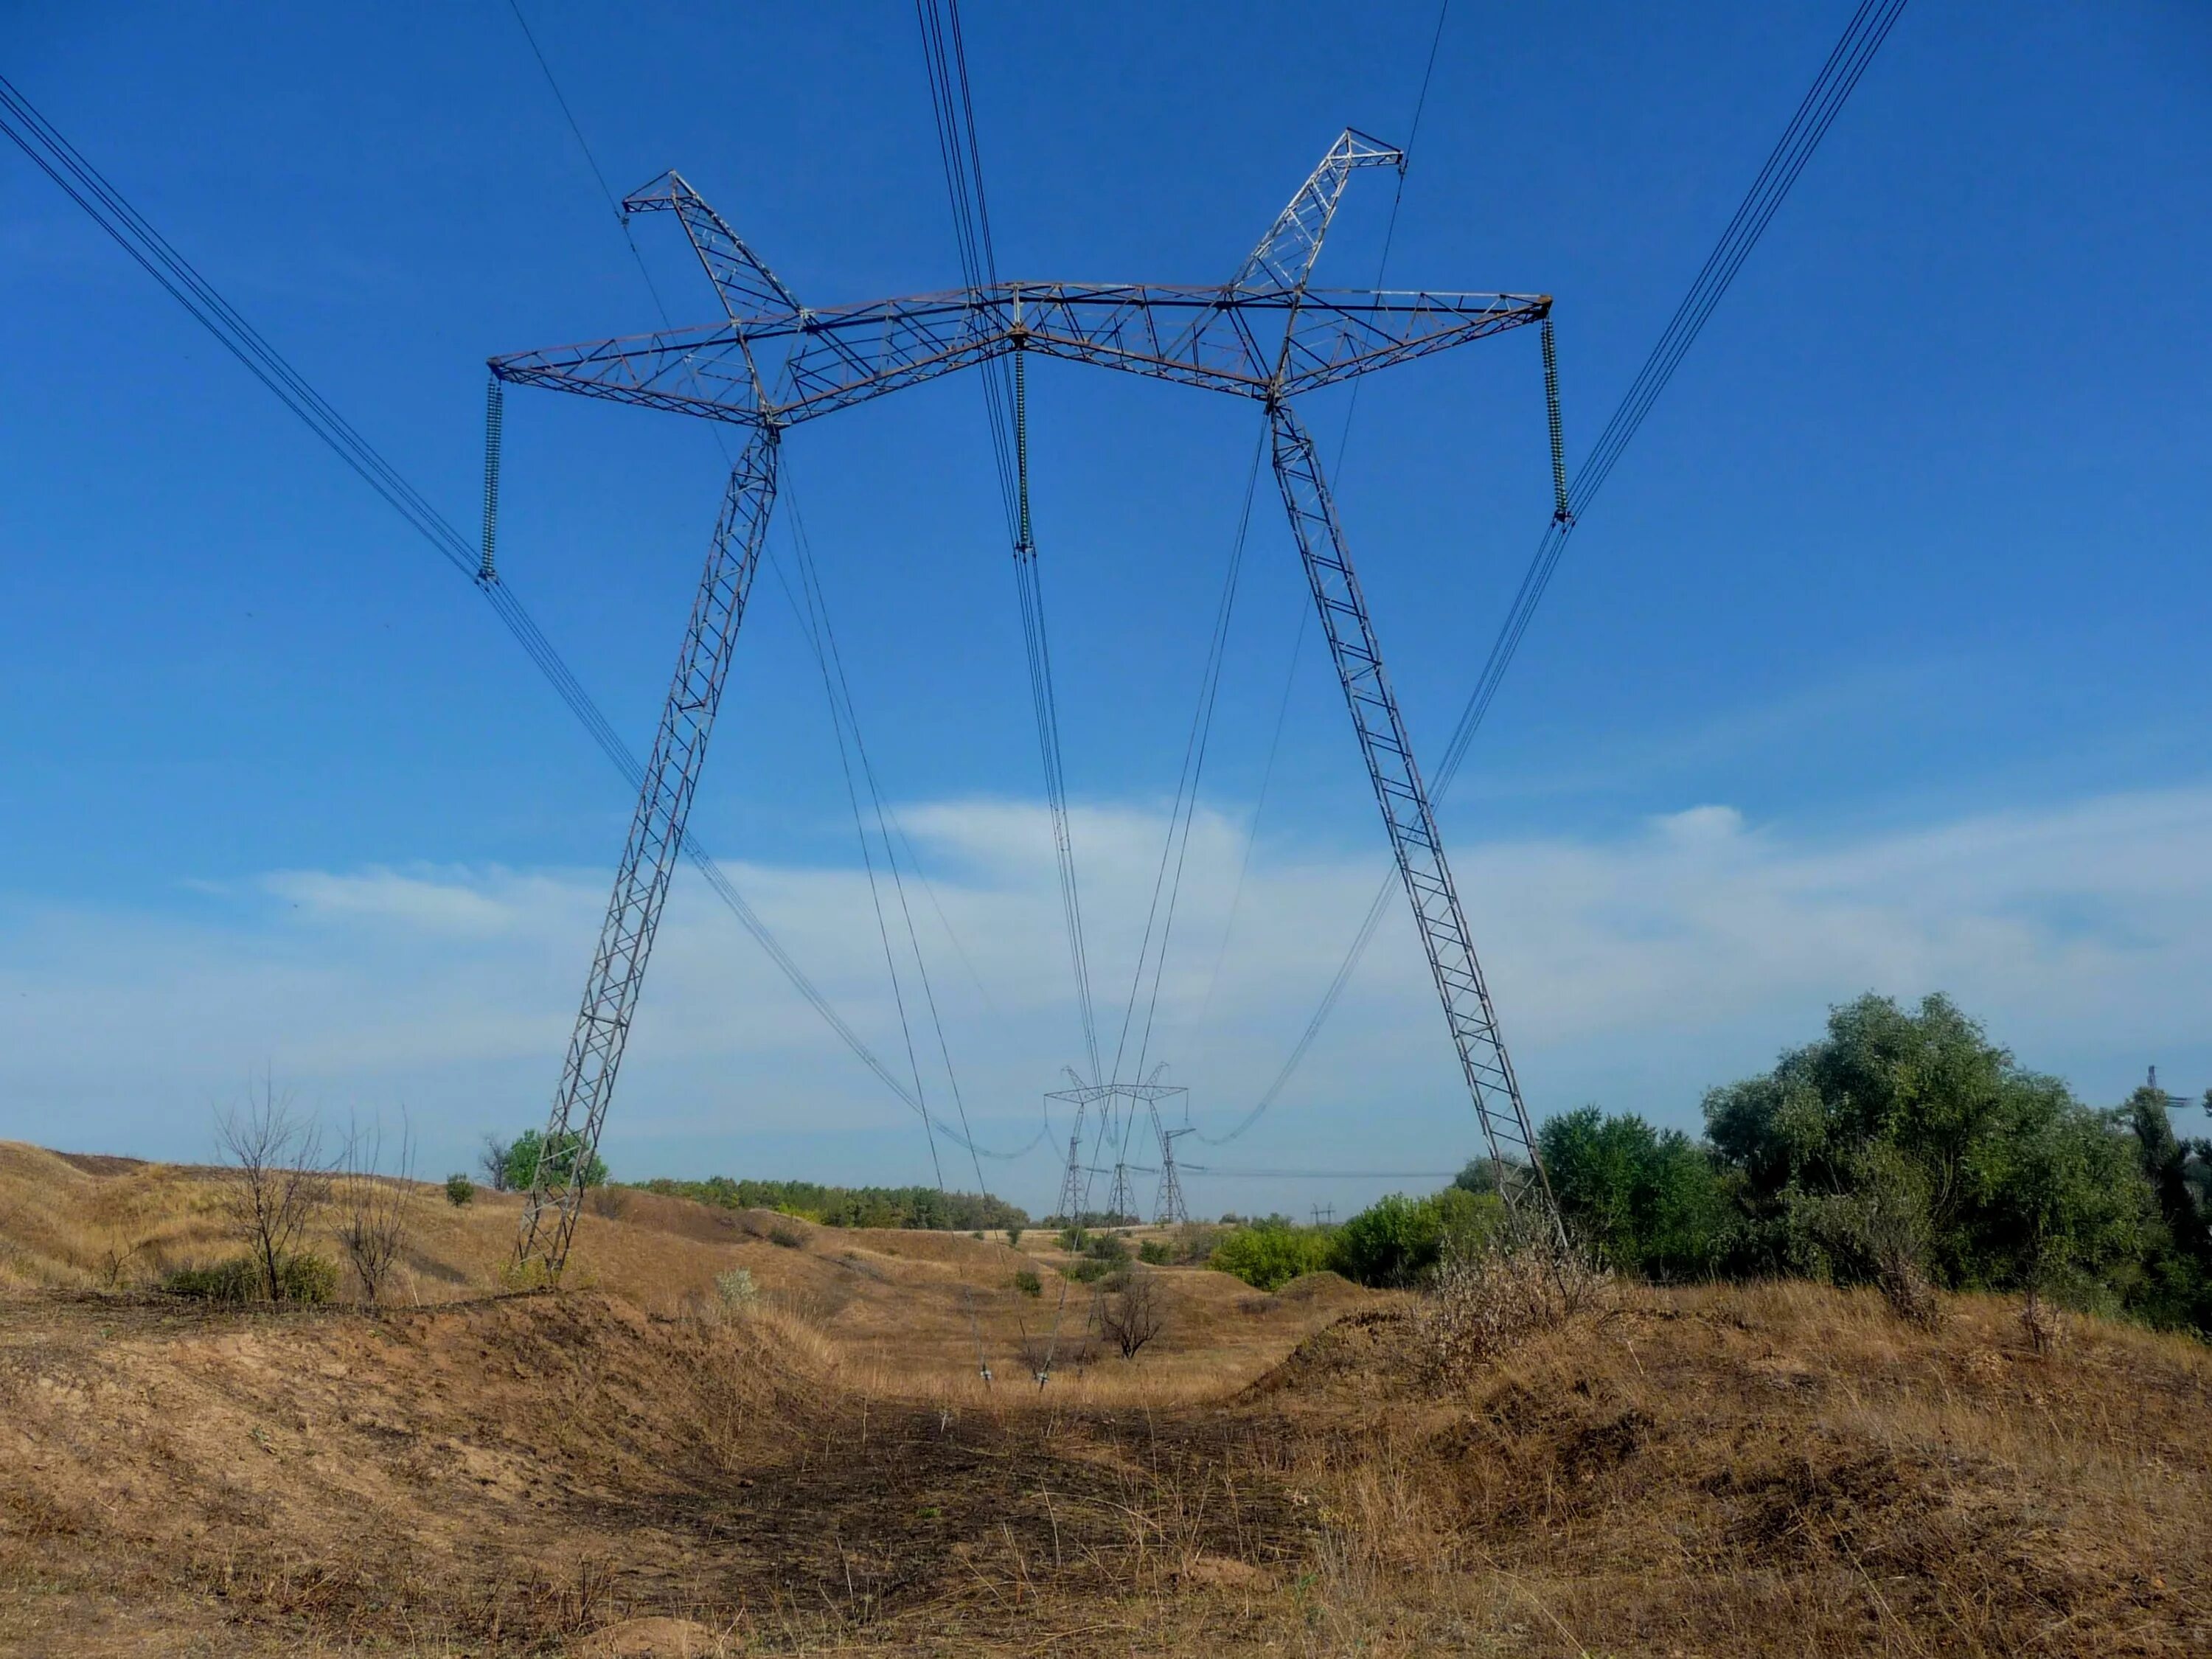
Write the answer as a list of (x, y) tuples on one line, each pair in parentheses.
[(1634, 971)]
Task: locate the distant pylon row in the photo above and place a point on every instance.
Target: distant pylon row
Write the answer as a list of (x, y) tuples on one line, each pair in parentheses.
[(1113, 1123)]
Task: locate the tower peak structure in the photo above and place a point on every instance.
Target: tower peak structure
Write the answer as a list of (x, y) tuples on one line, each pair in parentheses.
[(769, 364)]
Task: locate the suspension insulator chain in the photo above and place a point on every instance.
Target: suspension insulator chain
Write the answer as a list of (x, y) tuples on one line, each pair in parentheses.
[(495, 416), (1561, 513), (1023, 546)]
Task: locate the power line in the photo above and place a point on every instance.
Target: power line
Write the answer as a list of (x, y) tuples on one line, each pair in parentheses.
[(1005, 412), (107, 208), (1184, 811), (819, 631), (1343, 442), (1862, 39)]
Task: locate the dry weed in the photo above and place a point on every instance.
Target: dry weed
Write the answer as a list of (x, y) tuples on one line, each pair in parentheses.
[(1481, 1304)]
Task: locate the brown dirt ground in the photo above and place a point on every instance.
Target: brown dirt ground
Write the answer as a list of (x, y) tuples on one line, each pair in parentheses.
[(626, 1469)]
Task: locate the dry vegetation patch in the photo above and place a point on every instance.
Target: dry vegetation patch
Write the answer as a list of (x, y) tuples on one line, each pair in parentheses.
[(653, 1467)]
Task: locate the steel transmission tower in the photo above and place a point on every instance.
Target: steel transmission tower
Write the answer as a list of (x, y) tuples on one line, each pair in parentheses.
[(1117, 1105), (770, 364)]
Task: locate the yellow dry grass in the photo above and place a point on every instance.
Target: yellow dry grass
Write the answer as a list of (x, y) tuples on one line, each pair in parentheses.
[(633, 1468)]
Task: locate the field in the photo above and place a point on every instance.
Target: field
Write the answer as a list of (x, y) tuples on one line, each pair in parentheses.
[(633, 1466)]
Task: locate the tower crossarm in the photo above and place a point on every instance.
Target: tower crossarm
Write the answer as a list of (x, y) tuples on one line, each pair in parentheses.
[(1215, 338)]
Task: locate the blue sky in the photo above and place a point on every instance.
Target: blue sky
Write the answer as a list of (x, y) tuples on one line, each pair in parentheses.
[(1879, 663)]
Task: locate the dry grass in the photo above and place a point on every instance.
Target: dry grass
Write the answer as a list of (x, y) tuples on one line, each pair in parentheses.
[(637, 1469)]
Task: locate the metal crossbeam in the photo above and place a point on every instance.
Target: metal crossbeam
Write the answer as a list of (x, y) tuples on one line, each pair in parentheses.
[(771, 363), (1266, 346)]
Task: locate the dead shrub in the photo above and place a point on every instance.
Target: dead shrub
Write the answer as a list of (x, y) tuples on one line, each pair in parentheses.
[(2041, 1322), (1910, 1294), (374, 1207), (1482, 1303), (277, 1182), (610, 1203), (1134, 1313)]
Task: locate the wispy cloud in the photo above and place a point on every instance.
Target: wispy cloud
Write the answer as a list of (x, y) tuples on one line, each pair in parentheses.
[(1636, 969)]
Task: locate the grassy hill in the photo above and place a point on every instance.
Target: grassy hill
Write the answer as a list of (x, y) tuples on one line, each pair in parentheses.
[(631, 1467)]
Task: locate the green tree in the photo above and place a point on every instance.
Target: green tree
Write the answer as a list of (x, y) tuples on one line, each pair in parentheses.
[(2016, 1184), (1270, 1255), (529, 1146), (2176, 1292), (1393, 1241), (1651, 1201)]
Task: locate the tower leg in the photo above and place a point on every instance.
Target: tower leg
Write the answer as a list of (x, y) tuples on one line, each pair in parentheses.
[(656, 834), (1412, 825)]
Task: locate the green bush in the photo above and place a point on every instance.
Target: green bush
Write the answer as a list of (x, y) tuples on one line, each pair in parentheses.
[(1271, 1254), (1649, 1201), (523, 1154), (1027, 1282), (736, 1288), (1154, 1253), (850, 1206), (1087, 1270), (1393, 1241), (789, 1238), (1013, 1239), (1110, 1248), (302, 1277), (459, 1190)]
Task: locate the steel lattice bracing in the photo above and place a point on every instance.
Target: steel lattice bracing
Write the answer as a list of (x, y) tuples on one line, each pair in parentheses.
[(1168, 1205), (1275, 343), (656, 836), (1117, 1105), (771, 363), (1406, 811)]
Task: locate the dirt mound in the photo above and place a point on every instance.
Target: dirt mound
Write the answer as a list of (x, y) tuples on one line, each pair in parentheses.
[(1685, 1462), (321, 1462)]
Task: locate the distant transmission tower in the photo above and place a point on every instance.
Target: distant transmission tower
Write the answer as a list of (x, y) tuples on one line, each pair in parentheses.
[(771, 363), (1167, 1207)]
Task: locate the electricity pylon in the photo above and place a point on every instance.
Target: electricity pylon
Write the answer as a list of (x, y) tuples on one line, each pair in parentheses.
[(770, 364), (1115, 1102), (1168, 1206)]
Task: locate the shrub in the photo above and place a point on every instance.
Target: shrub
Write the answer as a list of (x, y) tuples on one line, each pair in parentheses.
[(1027, 1282), (1110, 1248), (1650, 1201), (612, 1203), (788, 1238), (1154, 1253), (1391, 1242), (736, 1287), (523, 1155), (1134, 1313), (301, 1277), (1270, 1255), (238, 1279), (1013, 1239), (1086, 1270), (307, 1277), (459, 1190), (1482, 1304)]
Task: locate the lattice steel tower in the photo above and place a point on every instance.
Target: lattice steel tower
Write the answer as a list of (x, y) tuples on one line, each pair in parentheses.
[(770, 364)]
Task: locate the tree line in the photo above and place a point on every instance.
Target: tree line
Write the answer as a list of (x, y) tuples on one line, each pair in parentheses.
[(1904, 1143), (1903, 1149), (852, 1206)]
